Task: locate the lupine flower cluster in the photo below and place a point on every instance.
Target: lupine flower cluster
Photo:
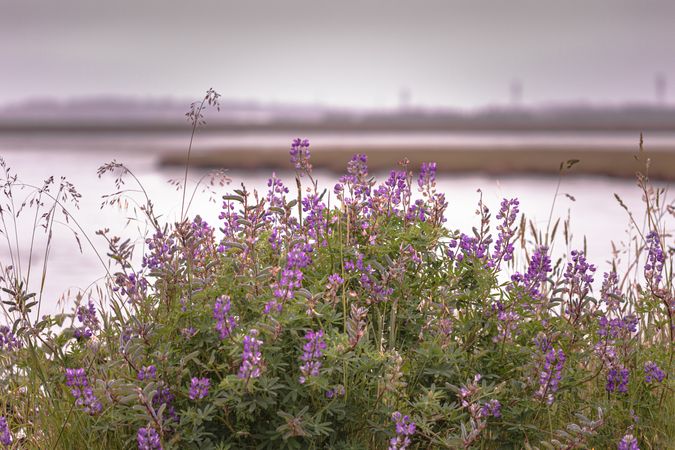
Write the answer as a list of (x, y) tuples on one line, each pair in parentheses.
[(503, 250), (76, 379), (291, 277), (6, 438), (161, 251), (610, 292), (300, 154), (653, 372), (628, 442), (199, 388), (163, 396), (550, 375), (86, 315), (312, 353), (537, 273), (617, 379), (147, 373), (148, 439), (225, 323), (653, 268), (230, 218), (407, 307), (491, 408), (578, 278), (8, 341), (251, 358), (404, 429), (617, 328)]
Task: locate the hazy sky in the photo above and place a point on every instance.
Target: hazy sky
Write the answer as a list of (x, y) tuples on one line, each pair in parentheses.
[(345, 52)]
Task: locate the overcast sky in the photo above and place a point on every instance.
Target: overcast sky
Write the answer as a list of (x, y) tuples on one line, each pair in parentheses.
[(345, 52)]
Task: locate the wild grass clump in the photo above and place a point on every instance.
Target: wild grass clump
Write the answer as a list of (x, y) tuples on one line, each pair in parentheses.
[(354, 319)]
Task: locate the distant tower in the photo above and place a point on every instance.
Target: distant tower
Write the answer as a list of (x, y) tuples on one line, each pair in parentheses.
[(404, 99), (660, 88), (516, 91)]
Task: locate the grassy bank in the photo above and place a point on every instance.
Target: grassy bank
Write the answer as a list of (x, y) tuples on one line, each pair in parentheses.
[(503, 161)]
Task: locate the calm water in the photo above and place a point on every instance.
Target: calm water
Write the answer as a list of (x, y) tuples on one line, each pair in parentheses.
[(595, 213)]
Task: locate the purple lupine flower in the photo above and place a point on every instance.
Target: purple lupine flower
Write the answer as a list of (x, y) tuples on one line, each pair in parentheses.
[(628, 442), (6, 438), (315, 220), (549, 377), (312, 353), (87, 317), (537, 271), (300, 154), (433, 205), (653, 372), (251, 358), (201, 244), (392, 193), (225, 323), (617, 379), (8, 341), (503, 246), (188, 333), (335, 280), (617, 328), (467, 246), (199, 388), (147, 373), (163, 396), (578, 275), (492, 408), (507, 323), (355, 186), (610, 291), (76, 379), (427, 176), (404, 429), (291, 277), (148, 439), (276, 193), (230, 218), (542, 342), (161, 251), (337, 391), (655, 259), (132, 285)]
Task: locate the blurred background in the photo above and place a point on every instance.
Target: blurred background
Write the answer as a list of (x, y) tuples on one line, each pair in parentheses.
[(498, 93)]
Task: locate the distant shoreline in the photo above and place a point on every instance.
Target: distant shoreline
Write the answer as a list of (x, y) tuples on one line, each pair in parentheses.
[(495, 161)]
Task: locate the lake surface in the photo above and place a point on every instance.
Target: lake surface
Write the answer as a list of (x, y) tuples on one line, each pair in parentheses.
[(595, 213)]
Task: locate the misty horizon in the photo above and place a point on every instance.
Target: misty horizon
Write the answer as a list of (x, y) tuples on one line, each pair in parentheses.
[(373, 54)]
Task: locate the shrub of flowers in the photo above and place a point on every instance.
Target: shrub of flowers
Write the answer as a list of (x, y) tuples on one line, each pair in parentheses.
[(351, 319)]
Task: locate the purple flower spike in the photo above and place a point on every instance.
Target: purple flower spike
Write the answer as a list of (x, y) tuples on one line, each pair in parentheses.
[(549, 378), (300, 154), (76, 379), (617, 379), (628, 442), (251, 358), (313, 351), (147, 373), (653, 373), (5, 435), (199, 388), (86, 315), (504, 247), (225, 323), (148, 439), (655, 259), (8, 341), (404, 429)]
